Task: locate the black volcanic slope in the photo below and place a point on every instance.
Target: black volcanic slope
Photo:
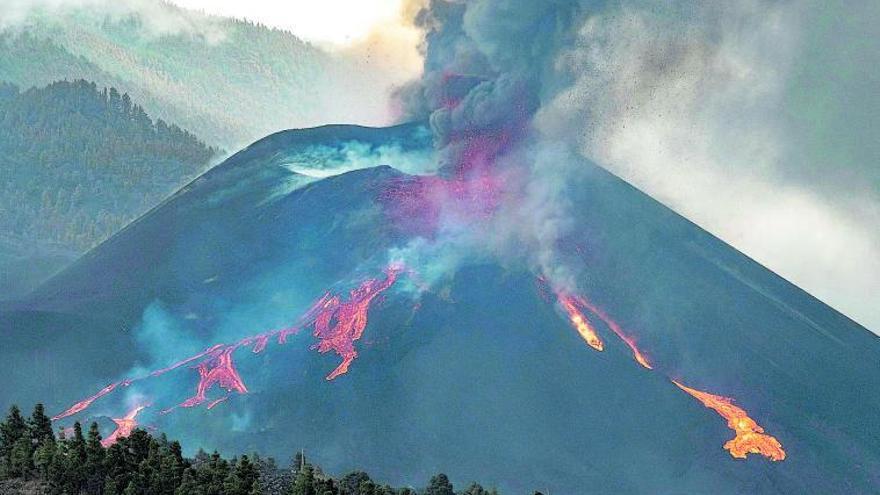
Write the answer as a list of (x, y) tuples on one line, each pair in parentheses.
[(483, 378)]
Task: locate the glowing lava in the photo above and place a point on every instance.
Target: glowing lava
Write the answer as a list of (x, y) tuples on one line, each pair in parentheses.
[(629, 341), (750, 437), (85, 403), (339, 324), (209, 351), (124, 426), (220, 371), (579, 321)]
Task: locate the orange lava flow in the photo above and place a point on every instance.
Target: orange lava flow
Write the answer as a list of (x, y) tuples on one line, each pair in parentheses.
[(209, 351), (750, 437), (124, 427), (216, 401), (629, 341), (579, 321), (85, 403), (339, 324), (220, 371)]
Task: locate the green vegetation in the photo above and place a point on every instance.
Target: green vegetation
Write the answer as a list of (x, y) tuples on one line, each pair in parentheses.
[(77, 163), (33, 460), (229, 81)]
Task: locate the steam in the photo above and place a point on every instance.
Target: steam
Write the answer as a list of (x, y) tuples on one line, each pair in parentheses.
[(702, 113), (158, 18), (703, 106)]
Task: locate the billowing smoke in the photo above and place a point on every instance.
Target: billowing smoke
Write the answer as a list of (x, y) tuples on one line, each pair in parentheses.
[(489, 68), (719, 110)]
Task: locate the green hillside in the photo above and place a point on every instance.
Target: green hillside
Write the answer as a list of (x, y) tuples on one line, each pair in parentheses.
[(78, 162), (231, 82)]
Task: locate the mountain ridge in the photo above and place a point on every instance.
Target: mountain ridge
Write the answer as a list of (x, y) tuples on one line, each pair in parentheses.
[(234, 259)]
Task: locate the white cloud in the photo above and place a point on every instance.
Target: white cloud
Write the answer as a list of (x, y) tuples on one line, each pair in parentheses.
[(323, 21), (695, 112)]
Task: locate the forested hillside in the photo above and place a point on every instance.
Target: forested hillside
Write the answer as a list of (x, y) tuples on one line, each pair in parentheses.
[(34, 461), (229, 81), (78, 162)]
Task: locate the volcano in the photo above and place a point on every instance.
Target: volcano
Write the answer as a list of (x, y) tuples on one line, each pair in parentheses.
[(263, 307)]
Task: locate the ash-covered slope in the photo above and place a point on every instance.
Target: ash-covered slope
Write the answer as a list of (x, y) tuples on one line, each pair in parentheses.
[(479, 373)]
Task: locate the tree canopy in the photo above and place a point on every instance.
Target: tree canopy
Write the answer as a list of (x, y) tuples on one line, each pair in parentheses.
[(75, 462)]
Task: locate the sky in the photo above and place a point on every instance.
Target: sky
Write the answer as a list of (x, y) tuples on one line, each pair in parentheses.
[(756, 119), (334, 22)]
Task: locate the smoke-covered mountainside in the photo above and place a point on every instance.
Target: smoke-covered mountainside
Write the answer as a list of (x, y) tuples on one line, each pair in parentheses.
[(78, 163), (297, 294), (229, 81)]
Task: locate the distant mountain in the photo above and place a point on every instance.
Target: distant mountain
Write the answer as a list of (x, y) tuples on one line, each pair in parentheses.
[(79, 162), (229, 81), (257, 309)]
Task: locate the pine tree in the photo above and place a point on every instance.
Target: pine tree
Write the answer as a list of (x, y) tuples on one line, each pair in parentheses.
[(11, 429), (256, 488), (304, 482), (131, 489), (43, 458), (110, 487), (439, 485), (58, 466), (40, 426), (21, 458), (75, 473), (244, 476), (171, 468), (299, 461), (326, 486), (94, 465), (350, 484), (475, 489), (14, 444)]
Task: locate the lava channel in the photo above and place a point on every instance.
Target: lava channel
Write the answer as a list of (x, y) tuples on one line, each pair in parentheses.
[(220, 371), (338, 324), (628, 340), (85, 403), (579, 321), (750, 437)]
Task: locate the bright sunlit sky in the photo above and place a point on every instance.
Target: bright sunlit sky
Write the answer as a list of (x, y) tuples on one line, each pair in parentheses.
[(336, 22)]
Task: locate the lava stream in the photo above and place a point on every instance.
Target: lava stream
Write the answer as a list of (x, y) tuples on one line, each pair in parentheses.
[(220, 371), (209, 351), (629, 341), (216, 401), (579, 321), (339, 324), (750, 437), (85, 403), (124, 426)]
